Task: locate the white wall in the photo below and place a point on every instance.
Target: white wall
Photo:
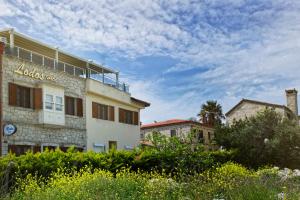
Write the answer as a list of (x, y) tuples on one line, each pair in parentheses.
[(52, 116), (102, 131)]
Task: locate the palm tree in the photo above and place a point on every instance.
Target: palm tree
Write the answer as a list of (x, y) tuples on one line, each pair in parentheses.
[(211, 113)]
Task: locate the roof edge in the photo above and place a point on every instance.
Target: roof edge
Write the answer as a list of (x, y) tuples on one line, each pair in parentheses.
[(146, 104), (256, 102)]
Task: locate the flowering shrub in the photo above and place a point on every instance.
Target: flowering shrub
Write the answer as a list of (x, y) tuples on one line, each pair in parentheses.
[(44, 164), (211, 184)]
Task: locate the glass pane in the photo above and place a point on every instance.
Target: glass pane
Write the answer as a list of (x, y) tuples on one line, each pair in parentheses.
[(49, 98), (49, 102), (49, 106), (58, 107), (59, 100)]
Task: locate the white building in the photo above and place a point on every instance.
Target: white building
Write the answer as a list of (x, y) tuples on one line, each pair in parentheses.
[(55, 99)]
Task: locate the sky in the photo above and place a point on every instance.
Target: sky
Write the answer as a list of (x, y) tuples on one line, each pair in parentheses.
[(175, 54)]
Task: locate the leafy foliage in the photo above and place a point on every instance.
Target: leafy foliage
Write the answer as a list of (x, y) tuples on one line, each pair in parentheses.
[(265, 139), (229, 181), (211, 113), (171, 162)]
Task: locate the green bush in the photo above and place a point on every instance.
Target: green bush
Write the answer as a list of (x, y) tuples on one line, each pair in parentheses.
[(44, 164)]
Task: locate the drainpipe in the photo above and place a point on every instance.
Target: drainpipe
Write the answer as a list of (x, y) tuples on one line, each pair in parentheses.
[(2, 47)]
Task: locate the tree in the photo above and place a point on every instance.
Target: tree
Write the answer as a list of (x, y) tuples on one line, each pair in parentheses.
[(265, 139), (211, 113)]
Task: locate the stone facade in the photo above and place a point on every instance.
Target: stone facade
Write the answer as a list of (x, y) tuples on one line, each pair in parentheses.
[(29, 128), (247, 108)]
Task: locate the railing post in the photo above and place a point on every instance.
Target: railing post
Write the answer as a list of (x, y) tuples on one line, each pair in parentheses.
[(18, 52), (43, 60), (11, 38), (87, 70), (117, 79), (56, 58), (102, 75), (30, 56)]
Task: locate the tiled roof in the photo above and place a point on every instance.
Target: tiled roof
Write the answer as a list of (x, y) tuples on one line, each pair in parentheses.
[(168, 122)]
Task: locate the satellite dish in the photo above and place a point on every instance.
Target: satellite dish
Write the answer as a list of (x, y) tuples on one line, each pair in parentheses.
[(9, 129)]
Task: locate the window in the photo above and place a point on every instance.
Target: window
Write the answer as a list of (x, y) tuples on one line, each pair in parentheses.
[(73, 106), (128, 117), (101, 111), (209, 136), (70, 105), (200, 136), (25, 97), (19, 149), (49, 102), (58, 103), (112, 145), (173, 133), (98, 148)]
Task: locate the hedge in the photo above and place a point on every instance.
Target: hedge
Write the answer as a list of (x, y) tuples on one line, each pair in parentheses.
[(44, 164)]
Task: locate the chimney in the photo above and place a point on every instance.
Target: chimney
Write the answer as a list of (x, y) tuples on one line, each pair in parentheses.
[(291, 100)]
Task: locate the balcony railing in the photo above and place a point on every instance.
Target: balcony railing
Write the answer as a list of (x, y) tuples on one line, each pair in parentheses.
[(58, 65)]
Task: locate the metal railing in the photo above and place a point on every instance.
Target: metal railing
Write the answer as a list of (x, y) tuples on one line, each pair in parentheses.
[(107, 80), (58, 65)]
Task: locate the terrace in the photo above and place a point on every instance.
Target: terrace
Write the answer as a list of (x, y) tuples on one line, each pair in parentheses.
[(28, 49)]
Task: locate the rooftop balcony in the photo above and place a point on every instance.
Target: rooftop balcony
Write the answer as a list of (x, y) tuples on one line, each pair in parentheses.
[(100, 74)]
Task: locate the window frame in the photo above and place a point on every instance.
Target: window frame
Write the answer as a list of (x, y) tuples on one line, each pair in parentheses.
[(49, 102), (128, 117), (59, 104), (21, 98), (103, 112), (77, 106), (172, 134)]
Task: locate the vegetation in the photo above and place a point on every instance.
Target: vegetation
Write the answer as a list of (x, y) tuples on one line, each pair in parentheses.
[(211, 113), (161, 161), (173, 168), (229, 181), (265, 139)]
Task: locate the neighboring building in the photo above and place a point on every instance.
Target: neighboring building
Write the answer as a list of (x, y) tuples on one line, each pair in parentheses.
[(246, 108), (55, 99), (179, 128)]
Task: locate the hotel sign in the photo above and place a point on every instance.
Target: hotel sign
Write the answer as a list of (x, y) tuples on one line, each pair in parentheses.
[(33, 73)]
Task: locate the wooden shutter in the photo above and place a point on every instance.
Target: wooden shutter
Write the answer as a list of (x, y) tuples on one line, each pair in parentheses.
[(121, 115), (12, 89), (79, 107), (111, 113), (94, 110), (135, 118), (38, 98), (66, 105)]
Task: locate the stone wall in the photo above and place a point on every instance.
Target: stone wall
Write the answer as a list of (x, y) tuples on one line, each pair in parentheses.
[(247, 109), (27, 119)]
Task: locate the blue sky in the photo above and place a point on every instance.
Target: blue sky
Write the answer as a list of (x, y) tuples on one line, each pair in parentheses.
[(176, 54)]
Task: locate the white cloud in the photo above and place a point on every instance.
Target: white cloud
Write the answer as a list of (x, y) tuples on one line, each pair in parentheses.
[(250, 49)]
